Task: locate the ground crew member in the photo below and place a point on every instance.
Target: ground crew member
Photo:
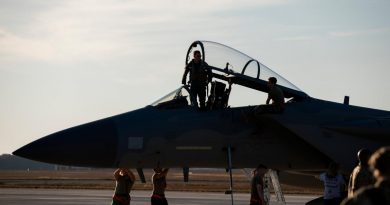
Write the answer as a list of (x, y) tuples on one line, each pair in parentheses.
[(124, 182), (159, 185), (257, 186), (334, 185), (361, 176), (378, 194), (200, 76)]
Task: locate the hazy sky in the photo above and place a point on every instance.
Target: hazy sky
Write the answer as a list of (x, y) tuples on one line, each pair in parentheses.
[(64, 63)]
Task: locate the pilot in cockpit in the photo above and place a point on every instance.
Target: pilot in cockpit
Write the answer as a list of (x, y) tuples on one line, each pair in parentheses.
[(200, 76), (275, 94)]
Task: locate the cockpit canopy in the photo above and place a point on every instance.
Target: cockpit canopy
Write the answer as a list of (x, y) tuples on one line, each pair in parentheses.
[(233, 67), (223, 57)]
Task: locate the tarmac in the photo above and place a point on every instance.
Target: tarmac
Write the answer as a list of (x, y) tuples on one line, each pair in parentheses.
[(22, 196)]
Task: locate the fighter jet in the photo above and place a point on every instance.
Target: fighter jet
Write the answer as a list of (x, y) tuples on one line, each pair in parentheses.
[(172, 132)]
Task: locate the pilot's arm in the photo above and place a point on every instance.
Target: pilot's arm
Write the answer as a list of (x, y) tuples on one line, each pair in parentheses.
[(268, 99), (183, 81)]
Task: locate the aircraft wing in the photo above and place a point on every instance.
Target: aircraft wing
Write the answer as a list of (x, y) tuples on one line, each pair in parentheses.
[(337, 130)]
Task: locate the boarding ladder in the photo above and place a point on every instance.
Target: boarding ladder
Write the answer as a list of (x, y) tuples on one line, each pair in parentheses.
[(276, 185), (270, 177)]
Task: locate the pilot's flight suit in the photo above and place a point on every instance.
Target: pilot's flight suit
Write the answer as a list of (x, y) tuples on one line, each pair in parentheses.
[(200, 76)]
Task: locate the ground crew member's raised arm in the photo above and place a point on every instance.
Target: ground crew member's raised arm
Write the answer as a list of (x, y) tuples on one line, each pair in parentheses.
[(129, 173), (161, 174), (116, 173), (124, 181)]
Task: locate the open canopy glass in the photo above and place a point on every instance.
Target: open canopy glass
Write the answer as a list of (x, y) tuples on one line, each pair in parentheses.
[(224, 57), (233, 67)]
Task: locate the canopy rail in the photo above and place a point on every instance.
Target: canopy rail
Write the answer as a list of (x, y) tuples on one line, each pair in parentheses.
[(254, 83)]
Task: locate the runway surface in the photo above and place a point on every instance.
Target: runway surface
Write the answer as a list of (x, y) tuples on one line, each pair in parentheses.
[(103, 197)]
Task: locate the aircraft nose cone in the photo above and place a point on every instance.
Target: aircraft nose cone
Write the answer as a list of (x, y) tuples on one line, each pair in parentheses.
[(92, 144)]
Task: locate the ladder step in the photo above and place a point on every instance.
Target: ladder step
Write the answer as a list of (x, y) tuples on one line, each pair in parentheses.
[(277, 187)]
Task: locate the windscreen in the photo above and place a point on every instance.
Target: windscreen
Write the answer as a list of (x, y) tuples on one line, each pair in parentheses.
[(180, 93)]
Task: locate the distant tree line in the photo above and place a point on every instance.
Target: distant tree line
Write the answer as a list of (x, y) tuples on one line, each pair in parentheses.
[(11, 162)]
